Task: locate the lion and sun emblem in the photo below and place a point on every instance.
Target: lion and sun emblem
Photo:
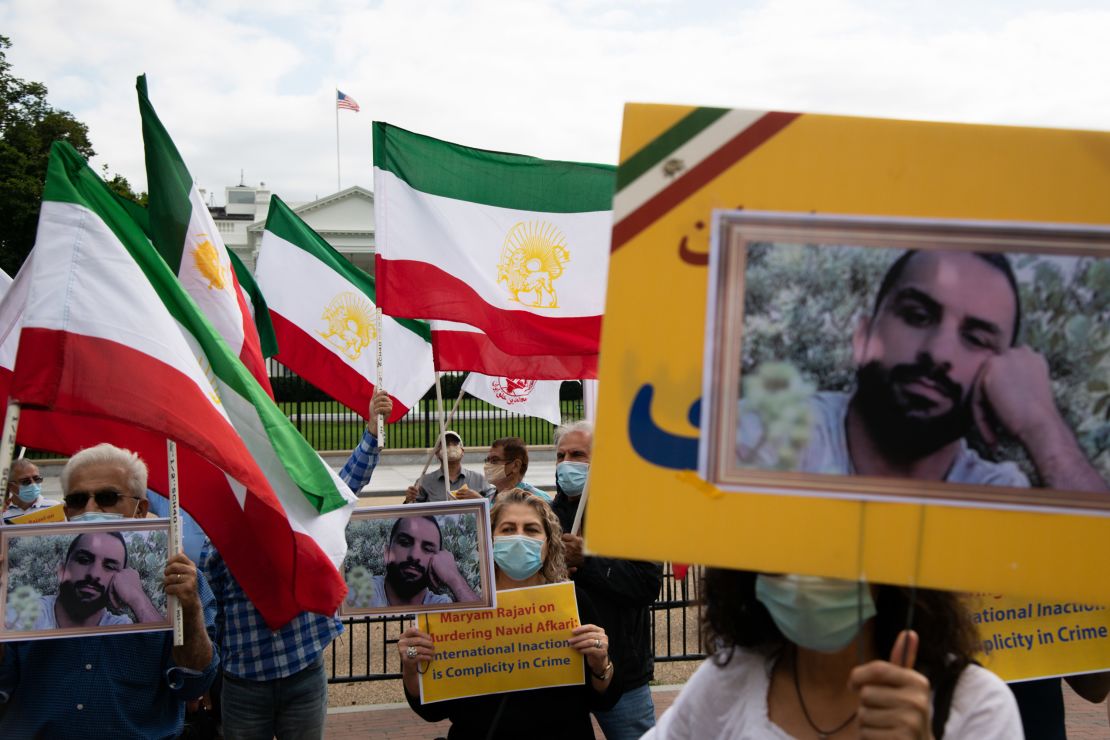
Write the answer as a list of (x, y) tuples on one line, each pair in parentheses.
[(350, 324), (532, 259)]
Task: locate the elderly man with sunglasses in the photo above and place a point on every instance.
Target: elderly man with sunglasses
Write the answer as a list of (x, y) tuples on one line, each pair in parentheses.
[(132, 685), (25, 490)]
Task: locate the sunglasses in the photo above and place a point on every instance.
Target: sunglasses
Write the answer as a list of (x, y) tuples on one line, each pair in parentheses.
[(104, 499), (29, 480)]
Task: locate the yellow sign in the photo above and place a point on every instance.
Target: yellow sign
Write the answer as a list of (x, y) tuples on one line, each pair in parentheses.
[(522, 644), (54, 513), (532, 258), (1025, 638), (350, 319), (679, 164)]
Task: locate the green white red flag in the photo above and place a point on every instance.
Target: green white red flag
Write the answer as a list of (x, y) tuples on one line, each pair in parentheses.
[(518, 395), (184, 233), (515, 246), (112, 348), (323, 312)]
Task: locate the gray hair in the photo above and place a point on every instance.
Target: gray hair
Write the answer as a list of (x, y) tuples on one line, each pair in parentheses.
[(574, 426), (106, 454), (20, 464)]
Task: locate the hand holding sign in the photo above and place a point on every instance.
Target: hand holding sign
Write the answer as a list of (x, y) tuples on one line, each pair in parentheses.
[(893, 697), (591, 641)]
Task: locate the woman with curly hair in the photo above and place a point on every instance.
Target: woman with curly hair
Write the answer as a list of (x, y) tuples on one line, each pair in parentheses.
[(527, 551), (808, 657)]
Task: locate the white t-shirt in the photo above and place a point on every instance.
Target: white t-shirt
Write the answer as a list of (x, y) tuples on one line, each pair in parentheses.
[(827, 450), (47, 621), (731, 702), (379, 598)]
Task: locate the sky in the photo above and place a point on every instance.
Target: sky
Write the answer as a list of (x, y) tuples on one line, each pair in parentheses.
[(249, 87)]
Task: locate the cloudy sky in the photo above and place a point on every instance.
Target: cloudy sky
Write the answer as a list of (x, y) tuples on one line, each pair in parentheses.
[(251, 85)]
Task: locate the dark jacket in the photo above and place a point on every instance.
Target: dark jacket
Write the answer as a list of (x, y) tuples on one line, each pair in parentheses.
[(621, 591)]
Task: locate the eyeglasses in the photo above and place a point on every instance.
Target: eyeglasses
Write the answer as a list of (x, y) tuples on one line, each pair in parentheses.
[(104, 499), (29, 480)]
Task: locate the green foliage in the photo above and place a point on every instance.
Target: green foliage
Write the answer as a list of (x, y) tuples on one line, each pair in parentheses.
[(367, 539), (33, 563), (28, 128), (802, 303)]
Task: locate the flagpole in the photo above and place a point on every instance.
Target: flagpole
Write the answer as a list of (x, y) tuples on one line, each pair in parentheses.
[(378, 381), (335, 102), (7, 444), (432, 452), (173, 602), (443, 442), (576, 526)]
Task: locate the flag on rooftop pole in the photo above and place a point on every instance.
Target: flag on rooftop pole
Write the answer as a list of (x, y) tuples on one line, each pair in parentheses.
[(461, 347), (345, 102), (322, 308), (184, 233), (515, 246), (538, 398), (111, 342)]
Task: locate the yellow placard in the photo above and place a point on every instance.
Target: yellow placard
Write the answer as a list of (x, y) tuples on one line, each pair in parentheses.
[(522, 644), (54, 513), (1024, 638), (646, 501)]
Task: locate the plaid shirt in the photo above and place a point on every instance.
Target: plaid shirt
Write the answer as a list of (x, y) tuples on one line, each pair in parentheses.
[(360, 466), (248, 648)]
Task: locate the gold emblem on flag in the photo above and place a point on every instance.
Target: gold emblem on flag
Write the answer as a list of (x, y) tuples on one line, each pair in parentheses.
[(207, 260), (210, 375), (532, 259), (350, 324)]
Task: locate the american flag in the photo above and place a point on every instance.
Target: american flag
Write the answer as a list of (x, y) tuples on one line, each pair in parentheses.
[(345, 101)]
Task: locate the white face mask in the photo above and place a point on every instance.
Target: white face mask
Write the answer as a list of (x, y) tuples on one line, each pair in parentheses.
[(454, 453), (494, 473)]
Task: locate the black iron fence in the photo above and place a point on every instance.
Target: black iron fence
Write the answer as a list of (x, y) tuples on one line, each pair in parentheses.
[(367, 650), (328, 425)]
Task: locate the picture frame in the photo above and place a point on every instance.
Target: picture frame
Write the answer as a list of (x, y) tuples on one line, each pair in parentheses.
[(741, 342), (395, 565), (81, 563)]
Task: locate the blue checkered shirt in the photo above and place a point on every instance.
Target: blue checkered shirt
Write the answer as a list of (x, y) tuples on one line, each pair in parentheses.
[(360, 466), (248, 648)]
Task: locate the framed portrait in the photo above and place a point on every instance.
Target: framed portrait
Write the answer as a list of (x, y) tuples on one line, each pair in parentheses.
[(97, 578), (412, 558), (907, 359)]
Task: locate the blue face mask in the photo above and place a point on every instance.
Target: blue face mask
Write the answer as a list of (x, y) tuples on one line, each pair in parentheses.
[(96, 516), (518, 556), (571, 477), (822, 614), (29, 494)]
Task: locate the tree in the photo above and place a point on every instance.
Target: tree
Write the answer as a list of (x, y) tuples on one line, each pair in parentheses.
[(28, 127)]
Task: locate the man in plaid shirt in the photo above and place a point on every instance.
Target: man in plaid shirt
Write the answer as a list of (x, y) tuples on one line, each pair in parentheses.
[(274, 683)]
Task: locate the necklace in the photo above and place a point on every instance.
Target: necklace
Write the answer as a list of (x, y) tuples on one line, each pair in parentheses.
[(821, 734)]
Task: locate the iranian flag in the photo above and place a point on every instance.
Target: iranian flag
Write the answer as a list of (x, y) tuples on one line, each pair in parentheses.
[(112, 348), (538, 398), (515, 246), (184, 233), (322, 308), (461, 347)]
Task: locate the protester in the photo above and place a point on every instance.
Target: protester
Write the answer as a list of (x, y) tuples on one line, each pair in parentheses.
[(622, 591), (125, 686), (93, 576), (527, 551), (24, 490), (505, 468), (941, 355), (801, 656), (416, 561), (274, 682), (430, 487)]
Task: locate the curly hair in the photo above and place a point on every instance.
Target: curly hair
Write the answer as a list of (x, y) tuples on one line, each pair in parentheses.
[(734, 618), (554, 567)]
